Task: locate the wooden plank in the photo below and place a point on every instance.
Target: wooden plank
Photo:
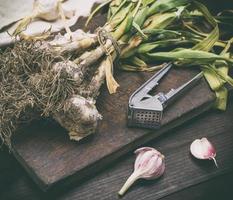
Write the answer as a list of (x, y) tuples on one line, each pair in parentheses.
[(52, 160)]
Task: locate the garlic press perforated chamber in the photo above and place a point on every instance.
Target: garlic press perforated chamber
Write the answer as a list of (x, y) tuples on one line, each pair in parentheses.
[(146, 110)]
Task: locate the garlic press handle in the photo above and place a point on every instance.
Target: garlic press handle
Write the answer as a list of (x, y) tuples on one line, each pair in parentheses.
[(153, 81), (143, 91), (173, 94)]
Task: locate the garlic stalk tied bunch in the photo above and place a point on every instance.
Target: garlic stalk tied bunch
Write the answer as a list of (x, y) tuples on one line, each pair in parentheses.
[(148, 165), (203, 149), (48, 10)]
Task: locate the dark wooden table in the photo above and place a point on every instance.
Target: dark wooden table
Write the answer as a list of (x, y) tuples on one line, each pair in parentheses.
[(15, 184)]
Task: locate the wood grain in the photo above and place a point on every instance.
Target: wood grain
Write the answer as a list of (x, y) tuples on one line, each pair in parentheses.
[(217, 126)]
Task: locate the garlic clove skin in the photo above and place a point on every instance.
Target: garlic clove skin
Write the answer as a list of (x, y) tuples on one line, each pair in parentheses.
[(149, 162), (203, 149), (149, 165)]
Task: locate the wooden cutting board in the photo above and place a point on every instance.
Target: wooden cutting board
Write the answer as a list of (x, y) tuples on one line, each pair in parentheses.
[(52, 160)]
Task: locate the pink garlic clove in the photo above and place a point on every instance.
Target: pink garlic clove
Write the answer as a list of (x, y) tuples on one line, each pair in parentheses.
[(149, 164), (203, 149)]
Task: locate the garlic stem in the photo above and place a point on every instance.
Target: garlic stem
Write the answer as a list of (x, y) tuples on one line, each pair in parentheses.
[(215, 161), (63, 17), (133, 177)]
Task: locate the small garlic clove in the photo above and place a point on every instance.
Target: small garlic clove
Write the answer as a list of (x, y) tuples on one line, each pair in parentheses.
[(203, 149), (149, 164)]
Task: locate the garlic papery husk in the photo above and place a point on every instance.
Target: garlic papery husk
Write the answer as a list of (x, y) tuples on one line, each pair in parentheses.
[(80, 116), (148, 165), (203, 149), (46, 9), (49, 10)]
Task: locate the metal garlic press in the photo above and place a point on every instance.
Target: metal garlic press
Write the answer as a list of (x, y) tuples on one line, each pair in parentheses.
[(146, 110)]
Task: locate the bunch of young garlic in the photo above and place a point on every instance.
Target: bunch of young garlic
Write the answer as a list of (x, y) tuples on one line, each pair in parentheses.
[(139, 32)]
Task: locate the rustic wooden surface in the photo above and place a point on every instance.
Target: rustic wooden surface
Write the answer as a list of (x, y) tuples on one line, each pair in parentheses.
[(16, 184), (53, 160), (217, 126)]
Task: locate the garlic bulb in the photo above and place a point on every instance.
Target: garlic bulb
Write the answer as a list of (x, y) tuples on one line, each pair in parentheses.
[(80, 117), (203, 149), (148, 165)]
